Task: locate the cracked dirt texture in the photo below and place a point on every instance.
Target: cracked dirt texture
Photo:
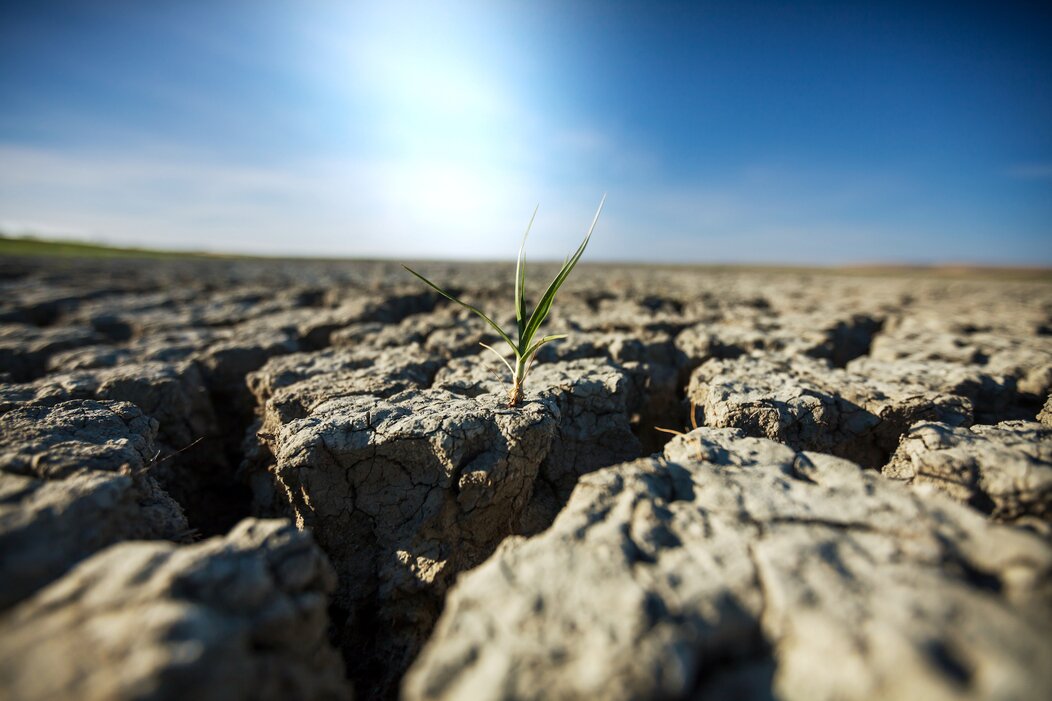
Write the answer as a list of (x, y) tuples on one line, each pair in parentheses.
[(738, 567), (175, 396), (405, 490), (1004, 470), (809, 405), (73, 480), (235, 378), (240, 617), (1045, 415)]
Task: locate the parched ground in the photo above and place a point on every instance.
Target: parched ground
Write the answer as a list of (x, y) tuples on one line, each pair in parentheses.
[(266, 479)]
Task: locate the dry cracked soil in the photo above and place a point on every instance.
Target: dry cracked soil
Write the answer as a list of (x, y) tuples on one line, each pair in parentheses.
[(228, 479)]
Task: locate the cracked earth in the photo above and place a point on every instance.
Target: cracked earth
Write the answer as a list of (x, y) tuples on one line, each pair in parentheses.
[(295, 480)]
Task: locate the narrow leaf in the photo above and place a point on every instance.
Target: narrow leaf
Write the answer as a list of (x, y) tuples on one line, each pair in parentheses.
[(540, 313), (547, 339), (467, 306), (520, 279), (502, 358)]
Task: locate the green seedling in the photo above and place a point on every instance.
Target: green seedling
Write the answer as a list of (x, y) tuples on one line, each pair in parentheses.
[(528, 323)]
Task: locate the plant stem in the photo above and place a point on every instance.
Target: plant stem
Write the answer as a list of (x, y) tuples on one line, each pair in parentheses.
[(518, 381)]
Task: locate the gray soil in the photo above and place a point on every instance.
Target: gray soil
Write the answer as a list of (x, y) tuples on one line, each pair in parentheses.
[(297, 480)]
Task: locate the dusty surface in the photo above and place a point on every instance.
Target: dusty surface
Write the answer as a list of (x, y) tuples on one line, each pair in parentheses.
[(1004, 470), (73, 481), (240, 617), (737, 566), (863, 514)]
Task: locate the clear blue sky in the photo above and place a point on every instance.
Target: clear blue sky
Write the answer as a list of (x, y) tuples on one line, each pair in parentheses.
[(823, 132)]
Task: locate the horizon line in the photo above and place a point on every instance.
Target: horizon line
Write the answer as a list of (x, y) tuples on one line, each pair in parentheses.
[(52, 247)]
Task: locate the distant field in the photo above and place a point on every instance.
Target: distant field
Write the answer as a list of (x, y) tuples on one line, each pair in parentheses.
[(25, 246), (11, 246)]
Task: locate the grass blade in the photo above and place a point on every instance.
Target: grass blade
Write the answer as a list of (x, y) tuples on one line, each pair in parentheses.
[(467, 306), (502, 358), (547, 339), (540, 313), (520, 279)]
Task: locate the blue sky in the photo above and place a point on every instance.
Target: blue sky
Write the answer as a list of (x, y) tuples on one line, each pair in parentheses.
[(813, 132)]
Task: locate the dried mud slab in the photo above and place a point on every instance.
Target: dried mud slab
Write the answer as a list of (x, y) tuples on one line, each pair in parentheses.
[(1004, 341), (288, 387), (808, 405), (25, 350), (654, 369), (405, 492), (404, 489), (47, 526), (837, 337), (1003, 470), (52, 442), (1045, 415), (73, 481), (292, 386), (592, 399), (172, 394), (247, 346), (240, 617), (993, 396), (745, 574)]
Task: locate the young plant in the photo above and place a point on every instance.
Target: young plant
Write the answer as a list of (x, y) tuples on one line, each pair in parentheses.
[(528, 323)]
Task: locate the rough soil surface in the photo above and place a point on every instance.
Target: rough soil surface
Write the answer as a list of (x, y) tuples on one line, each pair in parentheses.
[(404, 485), (809, 405), (1004, 470), (73, 480), (775, 551), (240, 617), (736, 567), (1045, 415)]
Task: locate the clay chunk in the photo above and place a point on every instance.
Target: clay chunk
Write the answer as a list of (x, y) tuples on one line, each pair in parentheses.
[(738, 568), (1003, 470), (240, 617)]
